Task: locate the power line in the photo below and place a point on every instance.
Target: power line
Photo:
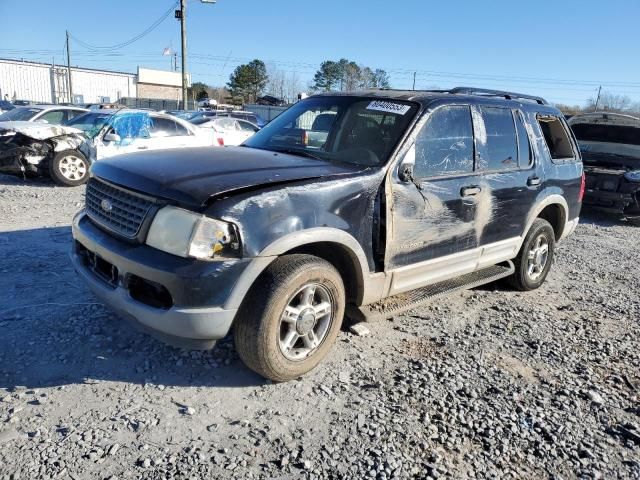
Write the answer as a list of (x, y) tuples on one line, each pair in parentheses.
[(118, 46)]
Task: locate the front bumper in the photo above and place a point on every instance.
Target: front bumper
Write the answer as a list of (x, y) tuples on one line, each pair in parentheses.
[(197, 290)]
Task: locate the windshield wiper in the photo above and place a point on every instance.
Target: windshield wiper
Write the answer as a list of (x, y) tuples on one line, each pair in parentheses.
[(296, 151)]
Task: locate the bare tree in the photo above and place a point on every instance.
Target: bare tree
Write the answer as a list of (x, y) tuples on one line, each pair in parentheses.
[(283, 84), (610, 101)]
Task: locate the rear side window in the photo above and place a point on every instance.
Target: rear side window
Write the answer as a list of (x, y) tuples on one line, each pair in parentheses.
[(444, 145), (496, 140), (557, 138), (525, 153)]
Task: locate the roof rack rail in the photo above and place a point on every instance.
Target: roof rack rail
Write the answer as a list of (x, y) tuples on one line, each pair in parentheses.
[(497, 93)]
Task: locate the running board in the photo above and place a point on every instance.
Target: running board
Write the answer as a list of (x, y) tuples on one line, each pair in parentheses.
[(397, 304)]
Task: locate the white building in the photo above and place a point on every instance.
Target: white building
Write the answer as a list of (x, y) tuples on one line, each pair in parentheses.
[(47, 83)]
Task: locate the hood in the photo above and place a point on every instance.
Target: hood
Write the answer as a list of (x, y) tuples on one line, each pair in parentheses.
[(36, 130), (193, 175)]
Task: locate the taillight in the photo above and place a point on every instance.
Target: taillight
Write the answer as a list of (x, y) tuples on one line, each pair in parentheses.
[(583, 186), (221, 141)]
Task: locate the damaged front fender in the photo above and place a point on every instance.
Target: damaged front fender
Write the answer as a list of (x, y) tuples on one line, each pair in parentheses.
[(27, 147)]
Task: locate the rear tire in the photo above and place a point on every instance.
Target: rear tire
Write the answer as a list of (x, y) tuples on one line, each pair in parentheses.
[(69, 168), (535, 257), (290, 318)]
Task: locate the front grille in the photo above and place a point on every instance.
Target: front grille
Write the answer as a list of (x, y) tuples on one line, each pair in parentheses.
[(118, 210)]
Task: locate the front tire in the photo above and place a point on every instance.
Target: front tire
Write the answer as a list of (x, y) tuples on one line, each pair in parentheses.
[(69, 168), (535, 257), (291, 318)]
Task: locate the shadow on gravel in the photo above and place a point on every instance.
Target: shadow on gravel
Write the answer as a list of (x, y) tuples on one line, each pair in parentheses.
[(29, 181), (54, 332), (602, 219)]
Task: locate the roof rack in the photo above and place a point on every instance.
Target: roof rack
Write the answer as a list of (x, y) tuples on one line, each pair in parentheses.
[(497, 93)]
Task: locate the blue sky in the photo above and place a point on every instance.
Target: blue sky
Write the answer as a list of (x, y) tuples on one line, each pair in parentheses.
[(560, 49)]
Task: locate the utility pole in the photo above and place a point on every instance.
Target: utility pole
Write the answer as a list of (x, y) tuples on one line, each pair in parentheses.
[(414, 80), (598, 99), (183, 35), (69, 69)]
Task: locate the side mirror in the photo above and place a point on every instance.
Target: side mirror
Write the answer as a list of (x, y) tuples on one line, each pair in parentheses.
[(111, 137), (405, 171)]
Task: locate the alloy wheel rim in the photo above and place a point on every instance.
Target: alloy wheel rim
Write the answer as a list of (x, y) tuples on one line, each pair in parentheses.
[(538, 257), (305, 322), (72, 167)]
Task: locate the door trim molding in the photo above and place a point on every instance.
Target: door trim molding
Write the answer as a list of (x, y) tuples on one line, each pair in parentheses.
[(410, 277)]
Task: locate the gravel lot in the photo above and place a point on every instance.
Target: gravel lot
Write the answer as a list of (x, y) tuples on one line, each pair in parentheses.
[(489, 383)]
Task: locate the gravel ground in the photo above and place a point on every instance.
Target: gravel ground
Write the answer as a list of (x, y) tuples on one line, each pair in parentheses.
[(489, 383)]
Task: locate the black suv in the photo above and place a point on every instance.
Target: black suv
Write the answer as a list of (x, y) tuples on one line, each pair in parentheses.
[(390, 199)]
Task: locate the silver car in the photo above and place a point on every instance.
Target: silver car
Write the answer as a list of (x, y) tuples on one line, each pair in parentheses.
[(53, 114)]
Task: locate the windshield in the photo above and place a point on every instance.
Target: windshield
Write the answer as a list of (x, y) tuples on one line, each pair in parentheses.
[(345, 129), (90, 123), (20, 114), (199, 120)]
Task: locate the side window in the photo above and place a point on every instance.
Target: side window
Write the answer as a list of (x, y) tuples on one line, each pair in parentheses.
[(181, 131), (74, 113), (162, 127), (496, 141), (247, 127), (53, 116), (556, 137), (444, 145), (525, 153)]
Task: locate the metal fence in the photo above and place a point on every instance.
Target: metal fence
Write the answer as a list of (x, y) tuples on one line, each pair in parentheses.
[(265, 111), (157, 103)]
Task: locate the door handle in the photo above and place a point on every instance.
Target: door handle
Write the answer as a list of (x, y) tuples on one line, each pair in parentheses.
[(470, 191), (143, 147), (534, 181)]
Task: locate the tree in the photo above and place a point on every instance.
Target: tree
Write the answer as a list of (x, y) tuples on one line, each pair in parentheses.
[(610, 101), (282, 84), (381, 79), (348, 75), (199, 90), (327, 77), (248, 81)]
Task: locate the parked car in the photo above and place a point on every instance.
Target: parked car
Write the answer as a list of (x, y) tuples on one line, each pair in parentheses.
[(413, 194), (610, 146), (228, 131), (240, 115), (53, 114), (5, 106), (66, 152), (185, 114)]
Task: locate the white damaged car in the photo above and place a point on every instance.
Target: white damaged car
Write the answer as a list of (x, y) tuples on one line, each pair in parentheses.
[(66, 152)]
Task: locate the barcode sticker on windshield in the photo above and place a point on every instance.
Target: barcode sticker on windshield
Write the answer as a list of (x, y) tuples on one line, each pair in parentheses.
[(389, 107)]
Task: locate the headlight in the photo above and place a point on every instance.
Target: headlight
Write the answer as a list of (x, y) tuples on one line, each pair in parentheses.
[(633, 176), (189, 234)]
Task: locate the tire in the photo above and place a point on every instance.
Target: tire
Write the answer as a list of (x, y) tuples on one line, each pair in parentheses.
[(532, 272), (635, 221), (69, 168), (262, 331)]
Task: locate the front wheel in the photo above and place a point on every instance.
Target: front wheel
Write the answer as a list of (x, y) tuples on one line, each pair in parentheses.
[(69, 168), (535, 257), (291, 317)]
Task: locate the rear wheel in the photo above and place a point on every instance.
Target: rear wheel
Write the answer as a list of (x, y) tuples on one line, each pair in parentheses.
[(69, 168), (535, 257), (291, 318)]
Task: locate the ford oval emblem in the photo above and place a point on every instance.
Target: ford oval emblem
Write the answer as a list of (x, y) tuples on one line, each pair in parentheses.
[(106, 205)]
